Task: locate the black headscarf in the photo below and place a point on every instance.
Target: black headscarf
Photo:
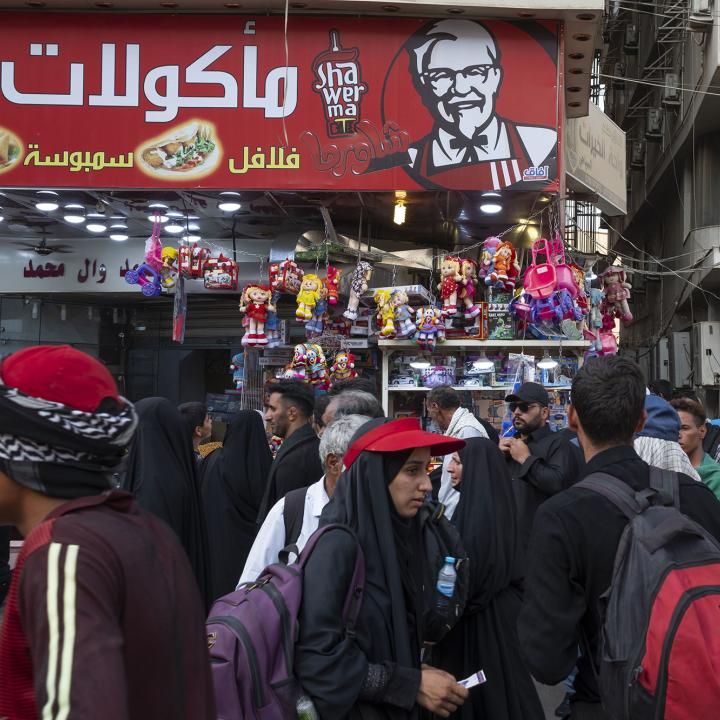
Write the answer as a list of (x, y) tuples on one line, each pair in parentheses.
[(486, 520), (233, 480), (392, 547), (161, 474)]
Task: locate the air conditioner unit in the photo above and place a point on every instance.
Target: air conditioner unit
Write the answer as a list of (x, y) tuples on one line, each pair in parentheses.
[(618, 75), (671, 92), (706, 353), (661, 360), (654, 124), (630, 46), (680, 359), (637, 155), (701, 18)]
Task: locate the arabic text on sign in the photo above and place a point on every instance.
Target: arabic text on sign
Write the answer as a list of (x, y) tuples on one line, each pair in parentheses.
[(274, 159), (78, 160), (161, 85)]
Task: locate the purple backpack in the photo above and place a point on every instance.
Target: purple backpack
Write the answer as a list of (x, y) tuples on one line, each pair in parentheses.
[(251, 637)]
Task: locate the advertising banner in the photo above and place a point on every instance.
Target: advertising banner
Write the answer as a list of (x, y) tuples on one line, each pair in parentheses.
[(230, 102)]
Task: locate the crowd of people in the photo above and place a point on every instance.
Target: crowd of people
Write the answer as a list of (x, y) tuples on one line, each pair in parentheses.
[(133, 527)]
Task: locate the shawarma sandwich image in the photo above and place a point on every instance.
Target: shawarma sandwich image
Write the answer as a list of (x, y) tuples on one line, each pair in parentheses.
[(189, 150), (10, 149)]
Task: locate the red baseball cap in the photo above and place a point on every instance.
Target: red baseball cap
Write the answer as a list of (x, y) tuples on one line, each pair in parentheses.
[(403, 434), (60, 373)]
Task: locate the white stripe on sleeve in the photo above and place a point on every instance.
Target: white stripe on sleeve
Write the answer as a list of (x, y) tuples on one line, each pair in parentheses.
[(69, 623)]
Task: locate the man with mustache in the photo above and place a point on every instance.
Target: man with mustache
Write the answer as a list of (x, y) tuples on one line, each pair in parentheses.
[(457, 71)]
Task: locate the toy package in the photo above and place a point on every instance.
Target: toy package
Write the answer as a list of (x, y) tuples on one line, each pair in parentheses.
[(220, 273)]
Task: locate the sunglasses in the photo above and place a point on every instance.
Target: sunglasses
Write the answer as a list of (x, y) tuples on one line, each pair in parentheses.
[(523, 407)]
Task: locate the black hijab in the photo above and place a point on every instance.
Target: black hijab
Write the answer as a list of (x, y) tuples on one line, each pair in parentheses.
[(161, 474), (486, 520), (392, 547), (233, 480)]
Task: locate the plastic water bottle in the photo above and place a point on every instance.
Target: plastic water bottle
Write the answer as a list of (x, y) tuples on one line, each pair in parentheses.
[(447, 577), (306, 709)]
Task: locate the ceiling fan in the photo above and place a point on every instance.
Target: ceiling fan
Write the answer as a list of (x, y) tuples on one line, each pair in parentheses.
[(42, 248)]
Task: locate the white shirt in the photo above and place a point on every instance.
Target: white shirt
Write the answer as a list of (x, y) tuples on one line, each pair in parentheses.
[(463, 425), (665, 454), (271, 538)]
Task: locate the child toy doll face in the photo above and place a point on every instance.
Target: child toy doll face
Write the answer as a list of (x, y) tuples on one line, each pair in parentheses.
[(468, 270), (449, 268), (309, 285), (257, 295)]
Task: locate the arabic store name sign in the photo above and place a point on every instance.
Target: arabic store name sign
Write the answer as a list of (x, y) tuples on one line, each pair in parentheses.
[(212, 101)]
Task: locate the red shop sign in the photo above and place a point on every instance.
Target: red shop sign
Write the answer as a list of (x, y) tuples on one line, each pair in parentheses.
[(212, 102)]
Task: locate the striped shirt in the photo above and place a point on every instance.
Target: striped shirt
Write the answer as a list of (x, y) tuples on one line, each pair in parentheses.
[(103, 620)]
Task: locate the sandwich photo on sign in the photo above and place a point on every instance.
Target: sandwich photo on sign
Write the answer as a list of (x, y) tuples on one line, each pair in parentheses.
[(189, 150), (10, 149)]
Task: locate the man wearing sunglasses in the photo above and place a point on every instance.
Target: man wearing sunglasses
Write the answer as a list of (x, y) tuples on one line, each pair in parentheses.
[(542, 462)]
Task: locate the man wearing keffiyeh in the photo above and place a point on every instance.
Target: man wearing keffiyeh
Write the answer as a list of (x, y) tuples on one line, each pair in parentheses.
[(101, 592)]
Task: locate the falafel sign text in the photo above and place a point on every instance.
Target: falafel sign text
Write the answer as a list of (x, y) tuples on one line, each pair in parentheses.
[(217, 102)]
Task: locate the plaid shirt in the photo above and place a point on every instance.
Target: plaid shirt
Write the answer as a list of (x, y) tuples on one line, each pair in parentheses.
[(665, 454)]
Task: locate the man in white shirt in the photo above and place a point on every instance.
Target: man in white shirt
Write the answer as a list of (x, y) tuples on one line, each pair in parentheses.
[(443, 407), (271, 539)]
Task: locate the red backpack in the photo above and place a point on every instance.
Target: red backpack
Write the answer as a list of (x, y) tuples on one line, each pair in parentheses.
[(660, 643)]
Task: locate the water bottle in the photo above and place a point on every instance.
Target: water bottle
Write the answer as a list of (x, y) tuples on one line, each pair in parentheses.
[(446, 585), (306, 709)]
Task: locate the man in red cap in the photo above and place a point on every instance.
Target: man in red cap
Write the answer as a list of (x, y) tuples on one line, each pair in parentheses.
[(103, 616)]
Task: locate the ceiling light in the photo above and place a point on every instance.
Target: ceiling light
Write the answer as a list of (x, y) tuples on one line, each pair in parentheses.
[(119, 237), (1, 218), (229, 206), (95, 227), (174, 213), (420, 364), (191, 238), (162, 206), (96, 215), (174, 228), (532, 232), (547, 363), (483, 363), (193, 226), (119, 226), (158, 218), (399, 214), (47, 206), (230, 193), (74, 206), (74, 219), (490, 194), (490, 208)]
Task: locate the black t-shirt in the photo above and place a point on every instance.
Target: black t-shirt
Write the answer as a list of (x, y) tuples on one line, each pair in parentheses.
[(570, 561)]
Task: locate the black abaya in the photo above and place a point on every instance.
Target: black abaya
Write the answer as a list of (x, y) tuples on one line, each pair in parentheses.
[(486, 636), (161, 474), (233, 481)]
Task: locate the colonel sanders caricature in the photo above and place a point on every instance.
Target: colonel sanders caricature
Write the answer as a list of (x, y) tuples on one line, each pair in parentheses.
[(457, 70)]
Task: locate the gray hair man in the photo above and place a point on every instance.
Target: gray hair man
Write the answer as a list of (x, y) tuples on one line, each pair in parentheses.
[(353, 402), (294, 518), (444, 409)]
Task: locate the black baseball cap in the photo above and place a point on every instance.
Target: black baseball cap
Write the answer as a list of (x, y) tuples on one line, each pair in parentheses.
[(530, 392)]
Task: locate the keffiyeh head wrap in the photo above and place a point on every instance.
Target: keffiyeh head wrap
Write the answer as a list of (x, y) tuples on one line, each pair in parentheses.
[(60, 451)]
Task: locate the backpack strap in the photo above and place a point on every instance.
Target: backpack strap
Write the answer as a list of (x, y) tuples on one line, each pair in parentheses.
[(667, 486), (617, 492), (293, 514)]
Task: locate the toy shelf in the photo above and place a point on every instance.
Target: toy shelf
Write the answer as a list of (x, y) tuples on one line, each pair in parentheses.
[(470, 388), (473, 344)]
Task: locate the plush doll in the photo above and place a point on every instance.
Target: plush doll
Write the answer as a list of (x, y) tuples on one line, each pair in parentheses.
[(254, 304), (385, 312), (332, 283), (362, 274), (449, 284), (503, 261), (307, 297), (286, 276), (617, 292), (237, 365), (468, 272), (430, 328), (316, 324), (486, 259), (317, 368), (297, 369), (343, 367), (168, 269), (272, 326), (404, 324)]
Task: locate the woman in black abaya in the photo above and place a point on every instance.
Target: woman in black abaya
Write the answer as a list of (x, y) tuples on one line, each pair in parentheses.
[(233, 480), (161, 475), (376, 672), (486, 636)]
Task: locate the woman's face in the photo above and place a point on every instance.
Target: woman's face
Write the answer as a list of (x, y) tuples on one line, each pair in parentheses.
[(411, 484), (455, 470)]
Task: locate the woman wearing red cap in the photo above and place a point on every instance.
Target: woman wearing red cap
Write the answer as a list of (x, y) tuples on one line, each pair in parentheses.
[(375, 672)]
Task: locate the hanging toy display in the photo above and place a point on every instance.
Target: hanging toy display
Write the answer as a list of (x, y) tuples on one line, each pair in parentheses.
[(404, 325), (285, 277), (449, 284), (617, 293), (169, 268), (154, 275), (468, 273), (237, 365), (332, 283), (385, 312), (307, 297), (192, 261), (486, 258), (316, 324), (503, 272), (359, 281), (430, 327), (254, 304), (343, 367), (272, 326), (317, 368), (297, 368), (220, 273)]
